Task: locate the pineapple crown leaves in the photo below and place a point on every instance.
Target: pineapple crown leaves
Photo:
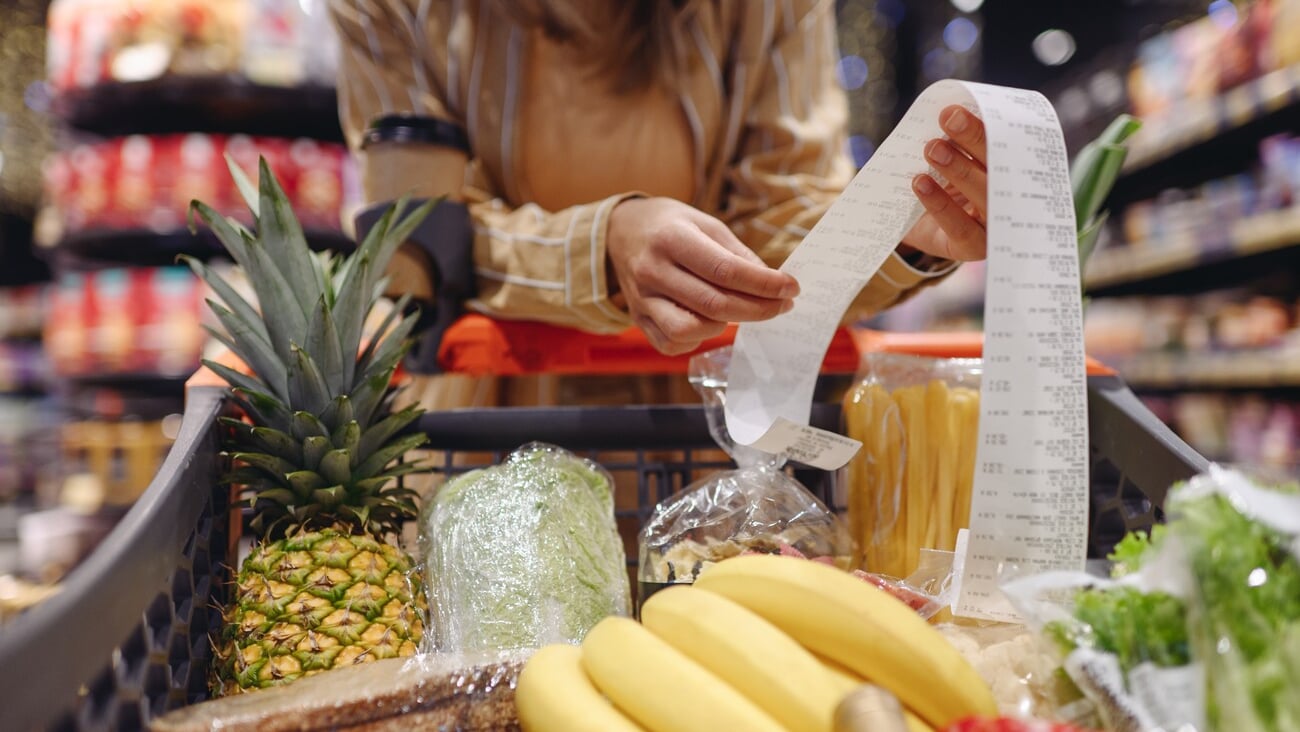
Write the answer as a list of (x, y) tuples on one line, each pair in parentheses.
[(318, 395)]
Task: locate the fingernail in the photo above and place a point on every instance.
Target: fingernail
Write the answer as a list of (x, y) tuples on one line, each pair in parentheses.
[(939, 152), (789, 290), (957, 121), (924, 185)]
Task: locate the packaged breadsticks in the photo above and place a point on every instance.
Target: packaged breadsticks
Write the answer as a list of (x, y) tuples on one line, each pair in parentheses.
[(909, 488)]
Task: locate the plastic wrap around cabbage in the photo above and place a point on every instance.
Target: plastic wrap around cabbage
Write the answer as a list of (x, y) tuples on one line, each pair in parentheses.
[(523, 554)]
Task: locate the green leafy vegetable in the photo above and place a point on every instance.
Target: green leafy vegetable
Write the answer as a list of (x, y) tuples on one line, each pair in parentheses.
[(523, 554), (1245, 620), (1135, 626)]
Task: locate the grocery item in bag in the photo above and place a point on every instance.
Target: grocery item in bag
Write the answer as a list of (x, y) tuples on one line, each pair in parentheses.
[(1199, 626), (473, 693), (757, 508), (909, 488), (523, 554)]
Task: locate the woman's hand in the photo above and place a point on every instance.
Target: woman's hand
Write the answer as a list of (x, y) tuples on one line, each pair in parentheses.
[(683, 275), (952, 226)]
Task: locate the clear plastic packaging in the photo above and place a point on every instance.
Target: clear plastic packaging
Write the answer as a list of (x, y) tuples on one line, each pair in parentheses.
[(909, 488), (522, 554), (469, 693), (1198, 627), (756, 508)]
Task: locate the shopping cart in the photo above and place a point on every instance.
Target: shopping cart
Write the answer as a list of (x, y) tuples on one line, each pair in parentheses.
[(127, 636)]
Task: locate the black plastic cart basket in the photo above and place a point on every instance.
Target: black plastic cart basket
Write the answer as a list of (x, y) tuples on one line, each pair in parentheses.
[(127, 636)]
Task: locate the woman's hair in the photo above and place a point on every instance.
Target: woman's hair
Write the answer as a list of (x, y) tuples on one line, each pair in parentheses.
[(633, 46)]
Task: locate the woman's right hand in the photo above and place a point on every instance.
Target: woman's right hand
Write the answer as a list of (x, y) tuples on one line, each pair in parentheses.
[(684, 275)]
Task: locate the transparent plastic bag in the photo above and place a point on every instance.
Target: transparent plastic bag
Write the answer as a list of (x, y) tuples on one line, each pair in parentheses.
[(1198, 628), (909, 488), (522, 554), (755, 508), (470, 693)]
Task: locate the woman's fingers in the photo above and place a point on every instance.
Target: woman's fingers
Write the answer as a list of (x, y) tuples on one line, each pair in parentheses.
[(710, 301), (715, 263), (968, 177), (963, 238), (966, 130), (674, 330)]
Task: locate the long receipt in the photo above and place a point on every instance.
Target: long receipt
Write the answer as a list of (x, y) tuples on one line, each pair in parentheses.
[(1029, 502)]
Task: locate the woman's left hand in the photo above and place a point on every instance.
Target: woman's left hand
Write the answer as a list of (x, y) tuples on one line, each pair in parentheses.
[(952, 226)]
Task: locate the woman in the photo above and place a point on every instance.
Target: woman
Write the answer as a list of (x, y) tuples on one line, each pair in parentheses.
[(644, 162)]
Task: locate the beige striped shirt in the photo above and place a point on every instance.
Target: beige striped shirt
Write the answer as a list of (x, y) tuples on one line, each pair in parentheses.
[(763, 119)]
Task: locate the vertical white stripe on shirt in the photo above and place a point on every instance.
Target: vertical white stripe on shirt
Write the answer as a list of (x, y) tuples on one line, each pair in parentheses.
[(710, 59), (574, 213), (453, 60), (736, 113), (787, 114), (787, 9), (697, 139), (419, 55), (811, 68), (370, 68), (511, 105), (476, 71)]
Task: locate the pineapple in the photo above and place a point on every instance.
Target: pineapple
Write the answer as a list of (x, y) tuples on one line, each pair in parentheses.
[(323, 587)]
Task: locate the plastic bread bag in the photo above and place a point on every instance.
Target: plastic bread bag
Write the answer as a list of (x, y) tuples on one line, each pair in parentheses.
[(757, 507), (470, 692), (522, 554), (1198, 626), (909, 487)]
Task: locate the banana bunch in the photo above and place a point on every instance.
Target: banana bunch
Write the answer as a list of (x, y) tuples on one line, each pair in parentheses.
[(910, 487), (761, 643)]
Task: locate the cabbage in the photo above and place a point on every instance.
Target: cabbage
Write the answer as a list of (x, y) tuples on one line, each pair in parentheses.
[(523, 554)]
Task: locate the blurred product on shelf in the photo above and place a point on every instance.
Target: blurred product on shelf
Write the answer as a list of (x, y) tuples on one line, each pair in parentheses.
[(266, 42), (1203, 216), (121, 457), (22, 311), (1214, 73), (17, 595), (28, 450), (146, 182), (22, 368), (1233, 320), (138, 321), (1250, 429)]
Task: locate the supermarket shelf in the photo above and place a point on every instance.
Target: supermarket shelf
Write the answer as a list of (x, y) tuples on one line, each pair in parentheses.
[(96, 249), (1189, 266), (222, 104), (162, 383), (1269, 369), (1209, 139)]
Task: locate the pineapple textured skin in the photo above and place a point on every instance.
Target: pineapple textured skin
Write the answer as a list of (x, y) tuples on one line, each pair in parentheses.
[(315, 601)]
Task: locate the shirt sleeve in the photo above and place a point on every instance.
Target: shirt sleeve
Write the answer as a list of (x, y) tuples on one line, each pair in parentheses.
[(792, 161), (530, 264)]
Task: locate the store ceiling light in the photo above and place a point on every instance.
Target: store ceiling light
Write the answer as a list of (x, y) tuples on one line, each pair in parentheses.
[(967, 6), (1054, 47), (960, 35)]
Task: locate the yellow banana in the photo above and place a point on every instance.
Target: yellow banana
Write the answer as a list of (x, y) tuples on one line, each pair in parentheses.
[(769, 667), (554, 694), (859, 626), (660, 688)]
